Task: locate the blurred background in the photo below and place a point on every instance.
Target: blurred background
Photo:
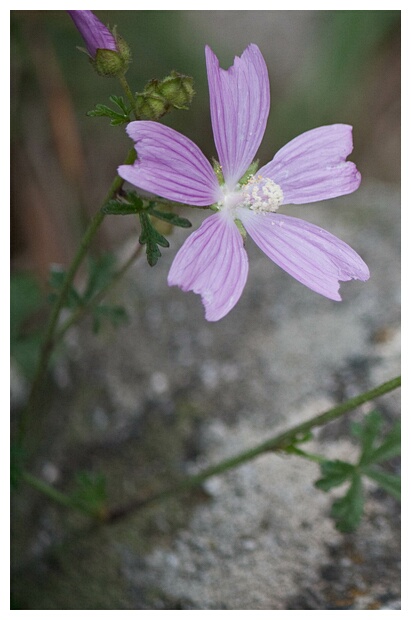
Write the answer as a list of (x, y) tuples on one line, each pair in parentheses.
[(168, 393)]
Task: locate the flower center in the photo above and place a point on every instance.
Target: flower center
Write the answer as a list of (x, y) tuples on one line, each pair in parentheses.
[(258, 194), (261, 195)]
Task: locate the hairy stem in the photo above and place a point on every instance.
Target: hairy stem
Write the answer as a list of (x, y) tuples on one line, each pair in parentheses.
[(129, 94)]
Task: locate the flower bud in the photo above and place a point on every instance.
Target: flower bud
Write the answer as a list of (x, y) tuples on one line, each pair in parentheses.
[(109, 53), (151, 106), (123, 48), (177, 89), (108, 63), (159, 97)]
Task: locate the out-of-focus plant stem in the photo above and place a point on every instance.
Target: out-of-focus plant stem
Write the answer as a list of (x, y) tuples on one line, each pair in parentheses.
[(82, 310), (278, 443), (49, 338)]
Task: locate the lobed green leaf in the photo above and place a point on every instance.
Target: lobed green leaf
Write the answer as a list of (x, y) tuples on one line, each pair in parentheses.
[(389, 482), (334, 474), (117, 118), (389, 448), (151, 238), (171, 218), (347, 511), (116, 207)]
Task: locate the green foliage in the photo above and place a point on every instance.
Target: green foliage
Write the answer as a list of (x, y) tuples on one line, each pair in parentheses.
[(116, 117), (151, 238), (389, 482), (26, 303), (375, 449), (171, 218), (348, 510), (90, 493), (100, 274), (131, 204), (117, 315), (57, 277), (334, 474)]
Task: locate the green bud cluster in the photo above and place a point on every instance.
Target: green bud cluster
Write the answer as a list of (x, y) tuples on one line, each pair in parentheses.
[(110, 63), (159, 97)]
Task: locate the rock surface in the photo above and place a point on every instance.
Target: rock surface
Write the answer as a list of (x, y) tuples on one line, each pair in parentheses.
[(170, 394)]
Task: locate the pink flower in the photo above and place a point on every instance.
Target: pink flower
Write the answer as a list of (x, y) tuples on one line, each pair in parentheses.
[(213, 262), (95, 34)]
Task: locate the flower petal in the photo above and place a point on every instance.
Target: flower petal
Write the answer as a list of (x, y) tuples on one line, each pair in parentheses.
[(239, 104), (213, 263), (310, 254), (170, 165), (95, 34), (312, 166)]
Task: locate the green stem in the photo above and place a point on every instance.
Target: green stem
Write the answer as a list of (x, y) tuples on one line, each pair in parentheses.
[(60, 498), (277, 443), (315, 458), (44, 488), (82, 310), (129, 94), (49, 338)]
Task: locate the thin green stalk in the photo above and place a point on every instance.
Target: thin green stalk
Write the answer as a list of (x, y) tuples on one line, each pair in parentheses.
[(48, 343), (278, 443), (57, 496), (315, 458), (44, 488), (82, 310), (129, 94)]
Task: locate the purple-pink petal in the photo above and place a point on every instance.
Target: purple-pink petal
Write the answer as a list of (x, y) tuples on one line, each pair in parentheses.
[(310, 254), (213, 263), (313, 166), (170, 165), (239, 105), (95, 34)]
